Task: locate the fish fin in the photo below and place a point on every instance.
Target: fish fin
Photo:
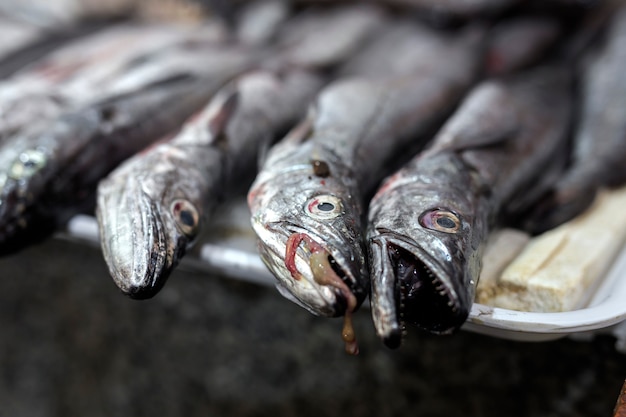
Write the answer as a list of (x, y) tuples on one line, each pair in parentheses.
[(484, 139), (264, 150), (219, 120), (163, 83), (107, 108), (303, 130), (175, 78), (481, 125), (300, 133)]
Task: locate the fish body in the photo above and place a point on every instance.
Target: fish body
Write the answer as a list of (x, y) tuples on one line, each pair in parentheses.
[(216, 61), (439, 10), (404, 46), (23, 102), (107, 51), (519, 42), (62, 13), (599, 143), (47, 172), (456, 9), (104, 64), (16, 36), (152, 207), (428, 222), (259, 21), (129, 57), (324, 37), (307, 202)]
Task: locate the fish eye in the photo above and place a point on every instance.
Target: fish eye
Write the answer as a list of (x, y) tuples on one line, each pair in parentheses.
[(324, 207), (442, 220), (186, 217)]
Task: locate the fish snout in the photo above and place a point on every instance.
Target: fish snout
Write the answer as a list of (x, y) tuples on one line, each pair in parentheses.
[(135, 245), (386, 311)]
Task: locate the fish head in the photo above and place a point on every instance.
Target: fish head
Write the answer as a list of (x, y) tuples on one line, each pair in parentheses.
[(151, 208), (147, 220), (424, 259), (309, 236)]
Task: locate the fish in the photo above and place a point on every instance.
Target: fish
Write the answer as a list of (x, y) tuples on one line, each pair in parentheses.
[(111, 48), (307, 201), (249, 129), (91, 68), (439, 10), (152, 208), (322, 38), (259, 21), (599, 142), (519, 42), (429, 221), (453, 10), (57, 14), (141, 53), (221, 61), (404, 46), (16, 36), (24, 101), (50, 172)]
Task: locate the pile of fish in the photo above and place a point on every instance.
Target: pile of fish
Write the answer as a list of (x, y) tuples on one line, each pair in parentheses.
[(379, 144)]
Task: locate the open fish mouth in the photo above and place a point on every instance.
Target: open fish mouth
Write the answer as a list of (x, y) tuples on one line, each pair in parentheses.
[(411, 288), (324, 268), (326, 272), (425, 300), (312, 277), (320, 278)]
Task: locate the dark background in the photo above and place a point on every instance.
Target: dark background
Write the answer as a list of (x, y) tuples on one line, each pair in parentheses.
[(72, 345)]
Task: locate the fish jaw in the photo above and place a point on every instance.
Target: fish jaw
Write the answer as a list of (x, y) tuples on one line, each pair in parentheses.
[(410, 285), (317, 276), (140, 242)]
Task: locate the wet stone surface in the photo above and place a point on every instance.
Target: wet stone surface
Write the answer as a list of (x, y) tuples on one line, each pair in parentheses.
[(72, 345)]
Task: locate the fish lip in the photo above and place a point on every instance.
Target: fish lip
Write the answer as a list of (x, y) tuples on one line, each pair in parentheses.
[(390, 322), (140, 265), (332, 308)]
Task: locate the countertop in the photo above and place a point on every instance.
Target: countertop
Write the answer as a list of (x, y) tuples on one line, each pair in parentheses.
[(72, 345)]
